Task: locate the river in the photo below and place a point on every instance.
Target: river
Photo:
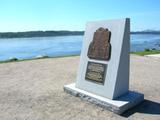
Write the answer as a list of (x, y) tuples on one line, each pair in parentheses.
[(26, 48)]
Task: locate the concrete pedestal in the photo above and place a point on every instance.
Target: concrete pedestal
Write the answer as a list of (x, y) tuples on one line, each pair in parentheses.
[(118, 106)]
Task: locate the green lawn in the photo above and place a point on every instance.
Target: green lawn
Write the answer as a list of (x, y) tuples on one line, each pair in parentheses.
[(147, 52), (7, 61)]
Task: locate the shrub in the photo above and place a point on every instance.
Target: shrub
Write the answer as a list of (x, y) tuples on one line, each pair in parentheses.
[(147, 49), (153, 48)]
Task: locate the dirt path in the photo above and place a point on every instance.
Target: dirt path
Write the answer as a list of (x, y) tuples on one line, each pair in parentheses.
[(33, 90)]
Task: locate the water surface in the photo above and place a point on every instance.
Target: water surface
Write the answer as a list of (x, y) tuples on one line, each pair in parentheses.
[(24, 48)]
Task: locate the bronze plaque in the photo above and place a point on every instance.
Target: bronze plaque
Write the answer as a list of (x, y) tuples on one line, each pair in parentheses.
[(95, 72), (100, 47)]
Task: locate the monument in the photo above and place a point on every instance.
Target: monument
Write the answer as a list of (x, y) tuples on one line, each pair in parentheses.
[(103, 75)]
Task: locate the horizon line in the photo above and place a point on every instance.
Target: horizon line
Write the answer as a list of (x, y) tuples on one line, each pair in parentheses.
[(146, 30)]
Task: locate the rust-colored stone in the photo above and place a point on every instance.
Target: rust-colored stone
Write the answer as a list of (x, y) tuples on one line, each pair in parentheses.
[(100, 47)]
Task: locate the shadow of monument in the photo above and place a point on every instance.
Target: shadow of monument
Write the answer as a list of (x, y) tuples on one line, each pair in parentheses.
[(146, 107)]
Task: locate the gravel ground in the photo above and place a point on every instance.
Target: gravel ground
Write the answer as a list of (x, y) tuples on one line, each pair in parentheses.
[(33, 90)]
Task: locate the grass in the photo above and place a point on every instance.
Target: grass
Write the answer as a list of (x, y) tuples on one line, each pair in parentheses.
[(146, 52), (8, 61)]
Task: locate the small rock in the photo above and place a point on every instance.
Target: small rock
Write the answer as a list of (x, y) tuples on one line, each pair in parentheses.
[(41, 56), (13, 59)]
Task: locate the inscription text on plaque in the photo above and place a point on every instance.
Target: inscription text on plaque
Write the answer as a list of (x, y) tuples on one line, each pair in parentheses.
[(95, 72)]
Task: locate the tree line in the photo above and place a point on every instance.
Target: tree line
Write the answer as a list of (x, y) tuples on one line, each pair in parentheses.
[(39, 34)]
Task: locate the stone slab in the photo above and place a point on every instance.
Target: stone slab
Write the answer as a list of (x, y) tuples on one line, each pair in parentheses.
[(117, 106), (154, 56)]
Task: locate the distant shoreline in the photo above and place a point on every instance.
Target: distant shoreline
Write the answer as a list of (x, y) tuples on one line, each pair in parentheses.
[(30, 34), (141, 32)]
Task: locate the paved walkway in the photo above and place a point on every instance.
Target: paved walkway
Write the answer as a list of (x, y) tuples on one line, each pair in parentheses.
[(154, 56), (33, 90)]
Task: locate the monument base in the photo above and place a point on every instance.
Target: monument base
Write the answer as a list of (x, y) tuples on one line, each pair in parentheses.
[(117, 106)]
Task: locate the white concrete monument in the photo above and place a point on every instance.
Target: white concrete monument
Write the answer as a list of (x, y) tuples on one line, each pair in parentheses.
[(103, 75)]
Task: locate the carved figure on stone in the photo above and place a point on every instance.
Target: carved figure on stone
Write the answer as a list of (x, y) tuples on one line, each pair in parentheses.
[(100, 47)]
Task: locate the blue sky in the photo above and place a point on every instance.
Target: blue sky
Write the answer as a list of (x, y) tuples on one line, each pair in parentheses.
[(28, 15)]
